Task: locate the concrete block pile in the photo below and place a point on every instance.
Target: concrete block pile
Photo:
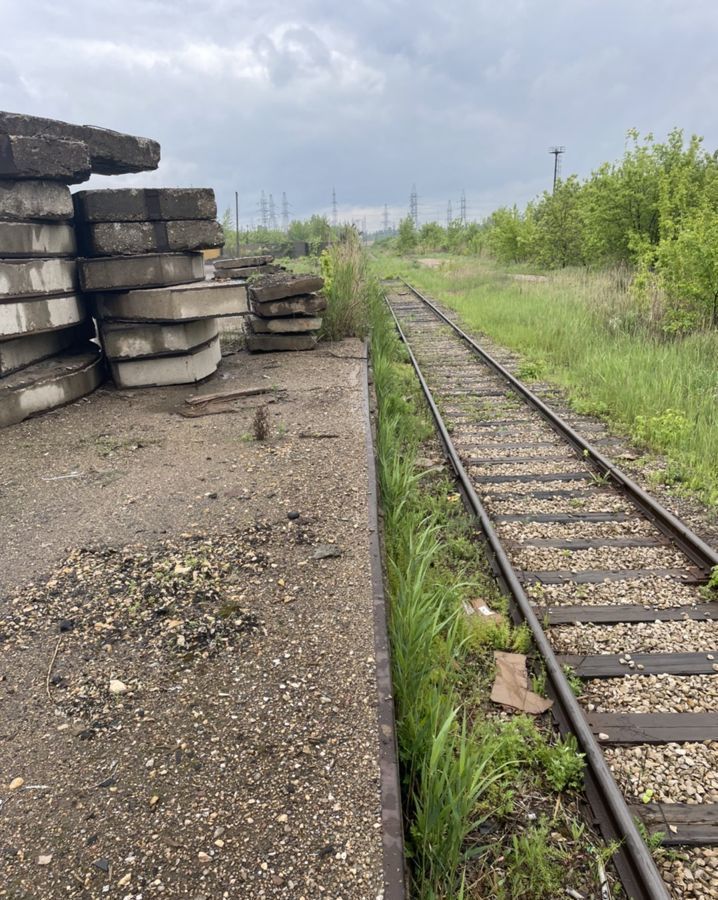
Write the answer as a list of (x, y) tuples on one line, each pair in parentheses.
[(245, 267), (47, 357), (285, 312), (142, 265)]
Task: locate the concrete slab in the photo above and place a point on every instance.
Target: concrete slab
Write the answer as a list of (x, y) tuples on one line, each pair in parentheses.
[(292, 325), (127, 238), (187, 368), (306, 305), (279, 287), (24, 351), (38, 200), (247, 272), (134, 340), (49, 384), (178, 303), (36, 277), (110, 152), (44, 157), (123, 273), (242, 262), (269, 343), (144, 204), (21, 317), (37, 239)]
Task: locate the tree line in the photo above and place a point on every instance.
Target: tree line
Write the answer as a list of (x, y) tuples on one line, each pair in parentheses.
[(654, 211)]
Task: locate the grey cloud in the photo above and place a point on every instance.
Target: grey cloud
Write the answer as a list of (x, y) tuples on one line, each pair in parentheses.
[(368, 97)]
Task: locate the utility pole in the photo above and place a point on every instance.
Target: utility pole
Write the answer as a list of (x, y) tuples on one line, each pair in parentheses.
[(414, 206), (236, 222), (335, 220), (285, 213), (556, 153), (463, 207), (386, 218), (449, 215), (272, 214), (263, 210)]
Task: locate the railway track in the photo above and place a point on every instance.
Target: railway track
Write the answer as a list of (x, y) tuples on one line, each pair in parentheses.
[(610, 584)]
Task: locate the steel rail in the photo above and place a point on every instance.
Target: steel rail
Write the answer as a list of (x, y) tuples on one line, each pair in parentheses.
[(693, 546), (634, 862)]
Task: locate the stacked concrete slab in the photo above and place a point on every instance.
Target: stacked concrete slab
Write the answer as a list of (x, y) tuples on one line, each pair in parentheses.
[(285, 312), (245, 267), (142, 265)]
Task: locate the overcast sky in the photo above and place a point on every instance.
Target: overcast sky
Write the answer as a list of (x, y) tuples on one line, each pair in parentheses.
[(367, 97)]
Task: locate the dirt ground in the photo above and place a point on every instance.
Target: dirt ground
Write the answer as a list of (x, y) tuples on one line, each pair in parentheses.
[(187, 679)]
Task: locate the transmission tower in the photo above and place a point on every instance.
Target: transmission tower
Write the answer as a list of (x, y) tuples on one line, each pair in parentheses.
[(449, 214), (263, 210), (285, 213), (414, 206), (335, 218), (272, 214), (463, 208), (556, 153), (386, 218)]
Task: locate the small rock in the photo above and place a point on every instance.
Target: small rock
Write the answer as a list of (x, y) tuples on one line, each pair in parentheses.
[(292, 516), (124, 880), (102, 864), (16, 784), (66, 625), (326, 551), (44, 860), (117, 686), (203, 857)]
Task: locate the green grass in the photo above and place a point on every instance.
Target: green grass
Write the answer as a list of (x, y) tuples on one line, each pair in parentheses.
[(586, 332)]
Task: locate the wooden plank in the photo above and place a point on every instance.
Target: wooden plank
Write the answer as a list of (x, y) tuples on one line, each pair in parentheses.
[(522, 479), (609, 665), (589, 544), (598, 576), (682, 824), (517, 460), (653, 728), (565, 518), (625, 612)]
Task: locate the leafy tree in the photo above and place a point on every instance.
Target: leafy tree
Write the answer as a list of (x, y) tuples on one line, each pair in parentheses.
[(406, 240)]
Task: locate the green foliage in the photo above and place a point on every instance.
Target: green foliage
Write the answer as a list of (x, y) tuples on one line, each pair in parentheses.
[(406, 240), (667, 429), (349, 289), (535, 868)]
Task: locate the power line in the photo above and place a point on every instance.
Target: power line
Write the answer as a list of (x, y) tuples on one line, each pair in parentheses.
[(263, 210), (334, 208), (285, 213), (556, 152), (463, 207), (449, 214), (272, 214), (414, 206)]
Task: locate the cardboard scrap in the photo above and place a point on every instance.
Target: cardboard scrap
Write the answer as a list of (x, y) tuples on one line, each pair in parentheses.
[(477, 607), (511, 685)]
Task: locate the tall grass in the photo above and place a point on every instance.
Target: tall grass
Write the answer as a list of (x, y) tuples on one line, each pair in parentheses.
[(585, 331), (347, 287)]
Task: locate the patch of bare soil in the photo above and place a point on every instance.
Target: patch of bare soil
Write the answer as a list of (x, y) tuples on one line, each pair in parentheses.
[(187, 684), (431, 263)]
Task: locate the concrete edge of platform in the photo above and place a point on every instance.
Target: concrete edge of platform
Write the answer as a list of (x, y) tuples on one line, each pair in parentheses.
[(390, 785)]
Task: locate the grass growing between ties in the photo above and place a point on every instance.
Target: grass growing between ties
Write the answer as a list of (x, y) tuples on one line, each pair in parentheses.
[(489, 798), (586, 331)]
